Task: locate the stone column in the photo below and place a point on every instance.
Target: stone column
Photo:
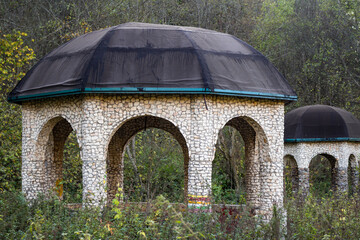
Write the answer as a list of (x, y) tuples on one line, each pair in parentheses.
[(304, 183), (201, 151), (252, 162), (294, 179), (355, 180), (339, 179), (93, 153), (271, 181), (353, 175), (199, 182), (115, 167), (252, 175), (37, 153)]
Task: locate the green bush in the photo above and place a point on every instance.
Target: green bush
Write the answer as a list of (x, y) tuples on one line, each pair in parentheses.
[(326, 218), (52, 219)]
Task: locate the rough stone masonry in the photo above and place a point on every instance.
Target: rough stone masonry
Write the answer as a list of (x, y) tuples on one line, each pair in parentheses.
[(343, 156), (104, 123)]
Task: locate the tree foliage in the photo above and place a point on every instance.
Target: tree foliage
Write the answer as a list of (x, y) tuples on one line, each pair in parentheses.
[(153, 165), (316, 45), (15, 57)]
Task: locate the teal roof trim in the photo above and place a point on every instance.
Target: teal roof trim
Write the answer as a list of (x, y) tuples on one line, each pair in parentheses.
[(147, 90), (339, 139)]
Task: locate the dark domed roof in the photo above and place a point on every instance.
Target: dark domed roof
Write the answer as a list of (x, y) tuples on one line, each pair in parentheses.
[(152, 58), (321, 123)]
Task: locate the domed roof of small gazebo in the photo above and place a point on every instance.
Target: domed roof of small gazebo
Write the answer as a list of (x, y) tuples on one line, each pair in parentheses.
[(153, 58), (316, 123)]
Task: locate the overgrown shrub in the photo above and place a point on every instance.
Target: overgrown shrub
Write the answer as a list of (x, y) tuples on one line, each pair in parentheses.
[(326, 218)]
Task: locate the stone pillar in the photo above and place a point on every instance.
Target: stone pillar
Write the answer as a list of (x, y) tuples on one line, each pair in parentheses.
[(355, 180), (252, 161), (294, 179), (252, 175), (304, 183), (115, 167), (271, 182), (353, 175), (201, 152), (339, 179), (37, 154), (49, 166), (93, 153), (199, 181)]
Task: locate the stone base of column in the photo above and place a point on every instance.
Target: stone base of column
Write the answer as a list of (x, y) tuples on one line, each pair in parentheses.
[(197, 203), (340, 180), (304, 185)]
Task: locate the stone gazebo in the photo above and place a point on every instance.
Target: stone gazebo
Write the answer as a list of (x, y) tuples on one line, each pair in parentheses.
[(110, 84), (327, 131)]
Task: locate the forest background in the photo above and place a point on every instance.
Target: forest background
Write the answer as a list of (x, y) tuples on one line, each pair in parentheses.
[(315, 44)]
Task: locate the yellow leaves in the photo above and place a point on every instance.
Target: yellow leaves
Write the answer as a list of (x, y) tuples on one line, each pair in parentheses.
[(59, 188), (14, 57), (142, 234)]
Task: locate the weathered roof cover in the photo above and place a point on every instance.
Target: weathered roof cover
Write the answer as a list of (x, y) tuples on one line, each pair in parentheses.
[(152, 58), (321, 123)]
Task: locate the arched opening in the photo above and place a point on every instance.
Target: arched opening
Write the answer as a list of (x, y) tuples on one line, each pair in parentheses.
[(291, 176), (153, 165), (353, 174), (60, 166), (228, 168), (150, 148), (247, 150), (322, 175)]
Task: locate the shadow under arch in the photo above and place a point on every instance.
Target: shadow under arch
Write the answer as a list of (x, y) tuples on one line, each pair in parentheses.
[(322, 167), (49, 154), (257, 155), (121, 137), (291, 175)]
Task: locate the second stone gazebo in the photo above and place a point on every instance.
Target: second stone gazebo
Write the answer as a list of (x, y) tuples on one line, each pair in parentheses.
[(327, 131), (110, 84)]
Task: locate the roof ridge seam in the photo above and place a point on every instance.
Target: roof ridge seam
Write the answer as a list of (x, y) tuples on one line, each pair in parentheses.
[(88, 68), (204, 67)]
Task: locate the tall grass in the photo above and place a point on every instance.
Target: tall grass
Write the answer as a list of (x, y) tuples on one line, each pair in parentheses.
[(327, 218)]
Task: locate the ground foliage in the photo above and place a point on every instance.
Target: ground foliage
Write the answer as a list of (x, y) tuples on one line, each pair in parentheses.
[(326, 218)]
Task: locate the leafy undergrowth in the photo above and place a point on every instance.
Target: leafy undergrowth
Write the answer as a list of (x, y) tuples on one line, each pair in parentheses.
[(331, 218)]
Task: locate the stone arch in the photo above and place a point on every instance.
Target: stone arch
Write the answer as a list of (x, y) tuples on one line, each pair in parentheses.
[(338, 176), (333, 159), (123, 134), (257, 164), (48, 155), (227, 165), (291, 170), (49, 122)]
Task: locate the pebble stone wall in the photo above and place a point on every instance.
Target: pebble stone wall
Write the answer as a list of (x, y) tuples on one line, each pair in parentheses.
[(342, 155), (104, 123)]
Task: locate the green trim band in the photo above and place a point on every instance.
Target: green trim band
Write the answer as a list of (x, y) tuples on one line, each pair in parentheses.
[(133, 90), (339, 139)]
